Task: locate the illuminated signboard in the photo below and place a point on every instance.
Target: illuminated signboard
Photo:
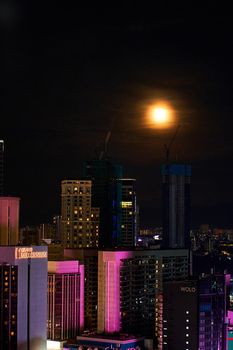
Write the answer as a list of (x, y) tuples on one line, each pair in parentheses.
[(28, 252), (188, 289), (126, 204)]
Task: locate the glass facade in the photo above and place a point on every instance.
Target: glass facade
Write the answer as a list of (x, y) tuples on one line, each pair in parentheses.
[(106, 195), (128, 232), (176, 205)]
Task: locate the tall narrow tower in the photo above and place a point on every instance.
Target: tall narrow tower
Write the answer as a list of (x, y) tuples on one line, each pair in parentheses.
[(9, 220), (128, 233), (176, 205), (106, 195), (1, 166)]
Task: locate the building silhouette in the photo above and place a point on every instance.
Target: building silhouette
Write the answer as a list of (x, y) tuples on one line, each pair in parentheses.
[(176, 205), (106, 195), (9, 220)]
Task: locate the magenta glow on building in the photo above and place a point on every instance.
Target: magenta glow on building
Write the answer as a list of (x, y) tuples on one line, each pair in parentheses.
[(9, 220), (109, 289), (65, 299)]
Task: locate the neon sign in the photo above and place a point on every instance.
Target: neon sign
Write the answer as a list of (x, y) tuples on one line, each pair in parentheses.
[(28, 252)]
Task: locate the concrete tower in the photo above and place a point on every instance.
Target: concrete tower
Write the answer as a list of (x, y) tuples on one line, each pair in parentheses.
[(176, 205), (80, 221)]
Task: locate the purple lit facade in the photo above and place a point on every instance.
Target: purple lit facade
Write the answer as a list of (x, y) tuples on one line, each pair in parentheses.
[(25, 308), (65, 299)]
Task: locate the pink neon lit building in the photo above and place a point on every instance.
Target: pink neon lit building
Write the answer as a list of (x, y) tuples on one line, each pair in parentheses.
[(109, 290), (9, 220), (65, 299), (130, 285)]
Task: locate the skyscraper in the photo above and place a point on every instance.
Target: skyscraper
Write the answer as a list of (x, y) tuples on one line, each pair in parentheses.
[(80, 221), (194, 313), (176, 205), (1, 167), (65, 299), (129, 225), (130, 288), (88, 257), (23, 292), (106, 195), (8, 306), (9, 220)]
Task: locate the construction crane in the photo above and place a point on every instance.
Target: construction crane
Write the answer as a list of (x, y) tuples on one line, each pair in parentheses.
[(104, 146), (167, 148)]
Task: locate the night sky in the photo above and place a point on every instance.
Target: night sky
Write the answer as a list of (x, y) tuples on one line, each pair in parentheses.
[(71, 74)]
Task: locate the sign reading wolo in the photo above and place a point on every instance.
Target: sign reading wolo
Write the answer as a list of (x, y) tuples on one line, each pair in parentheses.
[(26, 253), (188, 289)]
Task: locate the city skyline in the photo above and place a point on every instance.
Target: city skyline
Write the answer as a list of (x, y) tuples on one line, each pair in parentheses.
[(65, 87)]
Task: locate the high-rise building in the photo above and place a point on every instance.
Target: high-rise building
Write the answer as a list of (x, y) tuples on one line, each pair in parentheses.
[(23, 292), (194, 313), (80, 221), (130, 288), (106, 195), (176, 205), (65, 299), (8, 306), (9, 220), (1, 167), (129, 224), (88, 257)]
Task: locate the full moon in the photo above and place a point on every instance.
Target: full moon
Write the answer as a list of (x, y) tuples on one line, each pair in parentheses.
[(160, 115)]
